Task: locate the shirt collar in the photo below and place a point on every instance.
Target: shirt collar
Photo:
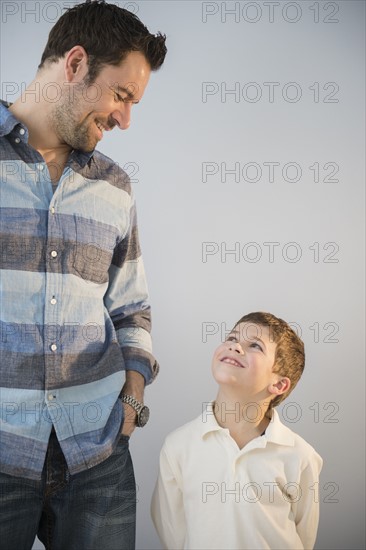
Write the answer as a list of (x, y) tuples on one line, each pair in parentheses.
[(209, 422), (81, 157), (276, 432), (8, 122), (7, 119)]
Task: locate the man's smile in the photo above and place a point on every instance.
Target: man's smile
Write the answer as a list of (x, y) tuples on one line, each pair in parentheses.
[(101, 127)]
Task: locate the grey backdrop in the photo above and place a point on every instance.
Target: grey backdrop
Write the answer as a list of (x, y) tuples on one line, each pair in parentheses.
[(247, 155)]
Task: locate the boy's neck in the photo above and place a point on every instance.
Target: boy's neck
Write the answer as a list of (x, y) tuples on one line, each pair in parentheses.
[(245, 419)]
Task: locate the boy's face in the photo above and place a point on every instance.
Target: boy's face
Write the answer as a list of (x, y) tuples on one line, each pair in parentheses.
[(245, 360)]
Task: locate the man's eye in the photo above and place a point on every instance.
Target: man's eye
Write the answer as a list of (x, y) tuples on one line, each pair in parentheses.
[(118, 98)]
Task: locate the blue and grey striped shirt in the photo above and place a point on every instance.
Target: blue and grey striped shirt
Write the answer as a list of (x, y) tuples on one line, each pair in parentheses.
[(74, 309)]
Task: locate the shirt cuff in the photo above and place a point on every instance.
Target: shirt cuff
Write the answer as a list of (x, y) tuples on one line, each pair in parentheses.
[(141, 362)]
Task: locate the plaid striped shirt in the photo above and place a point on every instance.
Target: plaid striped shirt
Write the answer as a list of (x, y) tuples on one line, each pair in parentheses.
[(74, 309)]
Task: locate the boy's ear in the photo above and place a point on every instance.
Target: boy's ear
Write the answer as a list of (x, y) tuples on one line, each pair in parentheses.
[(280, 387)]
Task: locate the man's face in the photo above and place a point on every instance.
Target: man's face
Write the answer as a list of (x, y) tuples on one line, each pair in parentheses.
[(85, 112), (246, 359)]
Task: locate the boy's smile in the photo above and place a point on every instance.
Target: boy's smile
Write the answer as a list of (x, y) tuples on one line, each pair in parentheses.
[(232, 361)]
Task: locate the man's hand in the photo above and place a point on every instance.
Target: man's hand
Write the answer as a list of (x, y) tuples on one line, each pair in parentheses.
[(134, 385), (129, 423)]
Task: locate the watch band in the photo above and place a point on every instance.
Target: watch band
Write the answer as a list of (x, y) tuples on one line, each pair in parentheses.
[(132, 401), (143, 412)]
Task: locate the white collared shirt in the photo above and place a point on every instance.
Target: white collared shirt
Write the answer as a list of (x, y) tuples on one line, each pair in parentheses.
[(212, 495)]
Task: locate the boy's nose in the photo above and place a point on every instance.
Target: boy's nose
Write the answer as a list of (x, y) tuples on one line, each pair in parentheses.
[(235, 346)]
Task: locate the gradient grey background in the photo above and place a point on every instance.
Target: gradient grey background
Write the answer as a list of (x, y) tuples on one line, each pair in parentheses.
[(173, 133)]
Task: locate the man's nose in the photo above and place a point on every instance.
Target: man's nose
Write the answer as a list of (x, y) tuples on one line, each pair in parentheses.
[(122, 116)]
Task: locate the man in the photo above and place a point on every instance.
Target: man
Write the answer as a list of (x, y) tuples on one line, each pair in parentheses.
[(74, 314)]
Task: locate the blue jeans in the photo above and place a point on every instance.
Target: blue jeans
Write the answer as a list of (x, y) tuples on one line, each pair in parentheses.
[(93, 510)]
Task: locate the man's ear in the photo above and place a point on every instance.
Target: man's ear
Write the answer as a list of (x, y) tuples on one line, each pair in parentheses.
[(280, 387), (76, 64)]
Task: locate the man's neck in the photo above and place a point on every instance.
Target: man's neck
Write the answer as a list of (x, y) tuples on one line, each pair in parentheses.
[(41, 137)]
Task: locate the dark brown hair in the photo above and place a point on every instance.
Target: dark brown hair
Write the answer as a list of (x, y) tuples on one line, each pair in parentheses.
[(290, 352), (108, 34)]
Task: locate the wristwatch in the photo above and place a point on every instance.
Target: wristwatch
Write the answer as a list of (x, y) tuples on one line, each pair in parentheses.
[(142, 410)]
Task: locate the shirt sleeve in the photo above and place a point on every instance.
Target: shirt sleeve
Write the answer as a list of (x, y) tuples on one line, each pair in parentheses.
[(127, 302), (306, 507), (167, 510)]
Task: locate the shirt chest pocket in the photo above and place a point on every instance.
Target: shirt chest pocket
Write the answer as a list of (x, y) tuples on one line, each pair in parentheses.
[(93, 250)]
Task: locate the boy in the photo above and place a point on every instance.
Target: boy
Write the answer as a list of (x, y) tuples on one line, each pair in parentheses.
[(236, 477)]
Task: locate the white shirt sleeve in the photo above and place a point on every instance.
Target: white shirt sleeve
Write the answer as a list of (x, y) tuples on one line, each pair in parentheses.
[(306, 508), (167, 510)]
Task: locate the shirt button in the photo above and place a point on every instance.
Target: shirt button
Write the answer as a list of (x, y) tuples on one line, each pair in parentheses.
[(53, 347), (50, 397), (22, 131), (53, 301), (52, 209), (54, 254), (17, 140), (40, 166)]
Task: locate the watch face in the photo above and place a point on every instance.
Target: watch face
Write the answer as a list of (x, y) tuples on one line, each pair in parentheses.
[(143, 417)]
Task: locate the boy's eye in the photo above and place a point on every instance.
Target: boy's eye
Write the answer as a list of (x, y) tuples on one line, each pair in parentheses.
[(256, 345)]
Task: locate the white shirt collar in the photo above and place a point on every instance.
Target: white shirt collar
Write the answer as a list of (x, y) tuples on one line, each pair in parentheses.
[(276, 432)]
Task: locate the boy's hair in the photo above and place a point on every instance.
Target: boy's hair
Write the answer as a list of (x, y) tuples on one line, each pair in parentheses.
[(290, 352), (107, 33)]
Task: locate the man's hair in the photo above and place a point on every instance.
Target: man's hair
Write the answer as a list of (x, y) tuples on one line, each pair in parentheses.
[(290, 352), (107, 33)]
